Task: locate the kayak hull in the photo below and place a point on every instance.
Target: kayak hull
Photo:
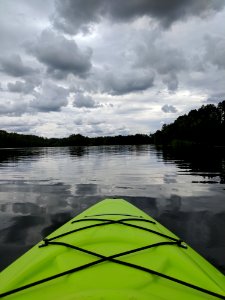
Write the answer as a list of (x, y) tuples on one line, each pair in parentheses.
[(112, 250)]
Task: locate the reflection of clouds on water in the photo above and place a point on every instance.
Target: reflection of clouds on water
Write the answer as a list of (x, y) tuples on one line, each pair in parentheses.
[(55, 221), (57, 184), (10, 252), (21, 229), (87, 189), (18, 235), (217, 235), (217, 241), (28, 212), (201, 229), (27, 208), (170, 178), (54, 205), (199, 226), (174, 203), (113, 165), (147, 204), (26, 198)]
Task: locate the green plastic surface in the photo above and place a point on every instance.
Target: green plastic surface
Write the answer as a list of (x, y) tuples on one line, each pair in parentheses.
[(108, 279)]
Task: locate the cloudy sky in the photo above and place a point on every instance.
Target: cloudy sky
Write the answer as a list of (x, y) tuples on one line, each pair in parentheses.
[(102, 67)]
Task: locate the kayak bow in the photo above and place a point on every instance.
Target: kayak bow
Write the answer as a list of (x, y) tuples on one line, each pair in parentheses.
[(113, 250)]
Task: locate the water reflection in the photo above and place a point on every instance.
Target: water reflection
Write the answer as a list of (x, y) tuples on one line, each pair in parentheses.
[(78, 151), (47, 187), (18, 234), (14, 155), (203, 231), (55, 221), (209, 163)]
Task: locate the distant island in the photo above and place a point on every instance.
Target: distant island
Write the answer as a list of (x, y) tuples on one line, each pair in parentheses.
[(205, 126)]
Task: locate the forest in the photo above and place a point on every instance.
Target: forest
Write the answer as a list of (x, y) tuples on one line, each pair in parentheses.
[(203, 126), (15, 140)]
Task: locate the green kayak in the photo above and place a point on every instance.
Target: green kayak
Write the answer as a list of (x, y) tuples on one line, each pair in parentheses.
[(113, 250)]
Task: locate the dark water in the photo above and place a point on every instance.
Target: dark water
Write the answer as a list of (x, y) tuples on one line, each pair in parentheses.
[(41, 188)]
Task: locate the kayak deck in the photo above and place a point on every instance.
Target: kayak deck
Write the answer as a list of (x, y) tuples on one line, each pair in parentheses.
[(112, 250)]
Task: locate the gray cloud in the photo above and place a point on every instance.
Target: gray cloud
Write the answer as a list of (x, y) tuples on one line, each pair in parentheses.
[(81, 121), (143, 51), (18, 129), (78, 122), (51, 98), (127, 82), (170, 59), (21, 87), (95, 122), (61, 56), (169, 108), (13, 108), (84, 101), (215, 51), (14, 66), (216, 97), (171, 81), (113, 81), (106, 129), (15, 124), (72, 16), (163, 58), (166, 12)]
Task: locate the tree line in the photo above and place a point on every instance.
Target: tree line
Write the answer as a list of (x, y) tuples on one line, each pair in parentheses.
[(15, 140), (203, 126)]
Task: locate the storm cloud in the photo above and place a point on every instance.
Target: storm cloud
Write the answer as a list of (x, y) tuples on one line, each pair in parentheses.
[(169, 108), (72, 16), (171, 81), (215, 51), (13, 108), (51, 98), (60, 55), (14, 66), (127, 82), (21, 87), (84, 101), (69, 62)]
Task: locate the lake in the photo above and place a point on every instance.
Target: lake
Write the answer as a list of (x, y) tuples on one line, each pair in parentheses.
[(41, 188)]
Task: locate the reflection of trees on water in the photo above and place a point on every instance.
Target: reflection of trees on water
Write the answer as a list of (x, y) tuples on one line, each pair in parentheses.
[(78, 151), (206, 162), (29, 153), (107, 149), (15, 155)]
